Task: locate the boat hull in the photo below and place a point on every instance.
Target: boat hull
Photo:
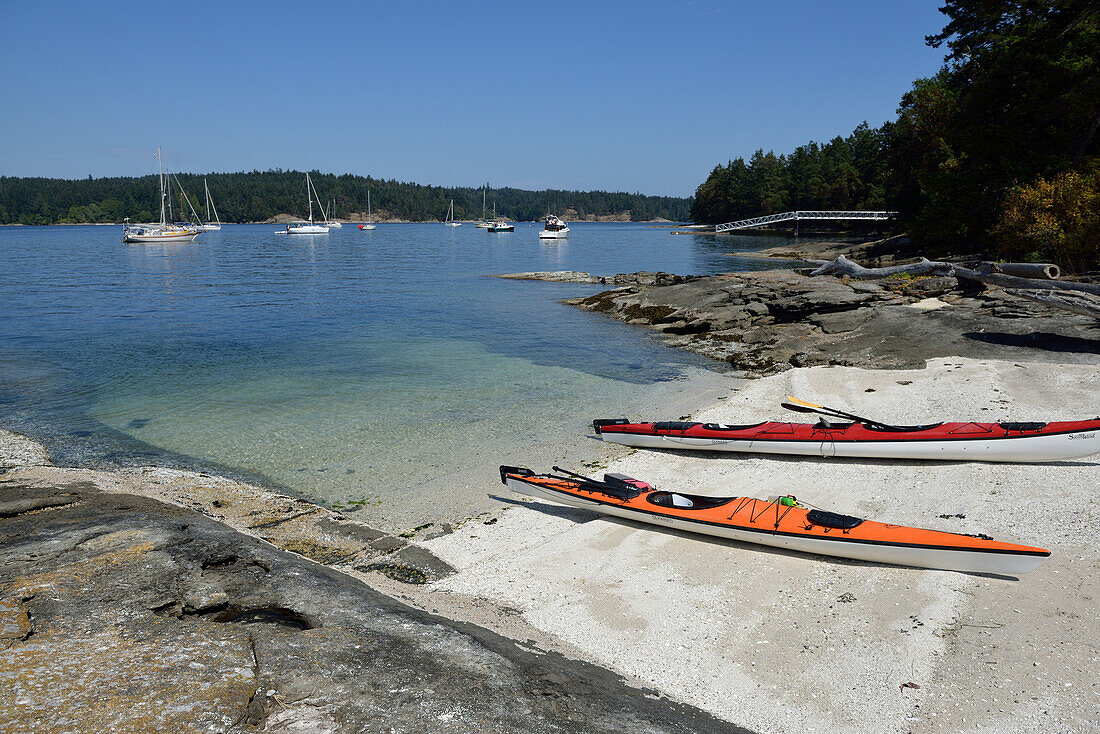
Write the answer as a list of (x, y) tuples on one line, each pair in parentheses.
[(308, 229), (170, 237), (1007, 560), (560, 234), (367, 227), (1023, 447)]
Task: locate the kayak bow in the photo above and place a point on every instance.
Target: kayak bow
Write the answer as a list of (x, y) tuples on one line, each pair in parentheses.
[(782, 523)]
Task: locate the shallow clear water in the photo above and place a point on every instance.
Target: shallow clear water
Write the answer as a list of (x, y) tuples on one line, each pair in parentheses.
[(342, 366)]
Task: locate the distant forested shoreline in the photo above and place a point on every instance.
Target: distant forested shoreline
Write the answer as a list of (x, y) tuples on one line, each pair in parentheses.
[(260, 195)]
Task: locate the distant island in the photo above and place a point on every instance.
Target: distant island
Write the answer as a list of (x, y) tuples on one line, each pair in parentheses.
[(259, 196)]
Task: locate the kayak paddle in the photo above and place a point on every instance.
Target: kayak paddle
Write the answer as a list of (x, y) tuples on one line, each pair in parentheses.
[(801, 406)]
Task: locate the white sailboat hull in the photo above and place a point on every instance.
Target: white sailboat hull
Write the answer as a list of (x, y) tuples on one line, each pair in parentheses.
[(308, 229), (1022, 449), (172, 236), (921, 557)]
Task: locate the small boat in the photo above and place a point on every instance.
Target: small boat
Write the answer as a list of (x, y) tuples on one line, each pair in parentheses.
[(163, 232), (1024, 442), (309, 227), (484, 223), (781, 522), (331, 221), (210, 225), (555, 229), (450, 222), (369, 224), (499, 225)]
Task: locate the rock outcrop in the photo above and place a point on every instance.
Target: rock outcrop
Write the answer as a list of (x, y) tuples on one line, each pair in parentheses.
[(768, 321), (122, 613)]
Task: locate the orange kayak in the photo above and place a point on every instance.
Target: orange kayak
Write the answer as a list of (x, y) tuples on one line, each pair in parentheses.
[(782, 522)]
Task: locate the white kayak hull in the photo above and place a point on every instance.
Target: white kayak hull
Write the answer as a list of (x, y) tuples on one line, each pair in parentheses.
[(967, 561), (1021, 449)]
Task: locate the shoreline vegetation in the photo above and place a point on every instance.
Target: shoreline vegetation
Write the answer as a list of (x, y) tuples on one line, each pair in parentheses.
[(964, 164), (259, 196)]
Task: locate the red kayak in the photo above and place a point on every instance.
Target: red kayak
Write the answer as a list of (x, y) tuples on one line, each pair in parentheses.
[(861, 437)]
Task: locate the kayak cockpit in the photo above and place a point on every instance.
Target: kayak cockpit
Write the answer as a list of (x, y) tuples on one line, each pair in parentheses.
[(686, 501)]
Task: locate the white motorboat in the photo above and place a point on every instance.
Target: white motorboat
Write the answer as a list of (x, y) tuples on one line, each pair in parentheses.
[(501, 226), (369, 224), (555, 229), (209, 225), (309, 227), (451, 216), (163, 232)]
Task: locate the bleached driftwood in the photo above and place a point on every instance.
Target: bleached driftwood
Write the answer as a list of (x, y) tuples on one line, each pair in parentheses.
[(1011, 281), (1082, 303), (1042, 271), (1082, 298), (844, 266)]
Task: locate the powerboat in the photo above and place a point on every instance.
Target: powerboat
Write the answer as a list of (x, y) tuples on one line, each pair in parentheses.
[(555, 229)]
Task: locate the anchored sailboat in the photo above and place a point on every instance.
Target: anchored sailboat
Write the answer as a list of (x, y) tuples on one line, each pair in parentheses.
[(484, 223), (309, 227), (163, 232), (208, 224), (370, 218), (451, 216)]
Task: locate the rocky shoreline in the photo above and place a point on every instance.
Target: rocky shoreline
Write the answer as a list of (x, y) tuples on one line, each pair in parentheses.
[(123, 609), (768, 321)]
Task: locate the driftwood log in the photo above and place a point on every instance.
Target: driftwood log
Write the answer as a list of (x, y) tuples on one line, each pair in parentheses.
[(1083, 298), (1082, 303), (1042, 271), (1011, 281), (844, 266)]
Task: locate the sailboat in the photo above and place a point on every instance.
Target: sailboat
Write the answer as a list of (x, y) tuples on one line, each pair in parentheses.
[(163, 232), (208, 225), (370, 219), (484, 223), (309, 227), (332, 222), (499, 225), (451, 216)]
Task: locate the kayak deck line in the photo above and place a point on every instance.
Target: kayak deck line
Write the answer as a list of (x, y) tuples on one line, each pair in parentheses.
[(784, 522)]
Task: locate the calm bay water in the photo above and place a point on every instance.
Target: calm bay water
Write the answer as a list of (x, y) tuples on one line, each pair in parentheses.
[(353, 365)]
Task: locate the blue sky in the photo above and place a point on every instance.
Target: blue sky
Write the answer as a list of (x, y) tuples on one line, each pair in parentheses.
[(634, 96)]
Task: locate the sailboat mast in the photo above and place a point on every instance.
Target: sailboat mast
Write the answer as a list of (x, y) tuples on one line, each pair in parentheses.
[(206, 188), (309, 195), (370, 219), (160, 177)]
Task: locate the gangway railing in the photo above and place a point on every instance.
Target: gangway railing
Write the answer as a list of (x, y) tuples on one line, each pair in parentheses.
[(800, 216)]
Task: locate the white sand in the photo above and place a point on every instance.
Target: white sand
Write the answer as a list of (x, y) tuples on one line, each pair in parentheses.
[(759, 636)]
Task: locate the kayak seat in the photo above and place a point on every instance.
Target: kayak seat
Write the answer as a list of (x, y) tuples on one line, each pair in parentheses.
[(822, 423), (726, 427), (832, 520), (900, 429), (686, 501)]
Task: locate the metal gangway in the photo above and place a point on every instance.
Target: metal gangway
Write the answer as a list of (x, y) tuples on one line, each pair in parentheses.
[(796, 217)]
